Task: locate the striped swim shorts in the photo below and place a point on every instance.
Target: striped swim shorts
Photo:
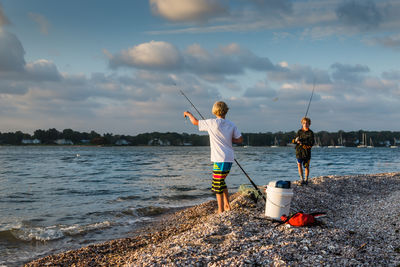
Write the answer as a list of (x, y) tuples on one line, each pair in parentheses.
[(220, 171)]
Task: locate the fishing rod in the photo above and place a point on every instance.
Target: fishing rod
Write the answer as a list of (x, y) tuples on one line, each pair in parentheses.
[(309, 102), (245, 173)]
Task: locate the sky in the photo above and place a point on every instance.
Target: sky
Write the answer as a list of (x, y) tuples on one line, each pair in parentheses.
[(118, 66)]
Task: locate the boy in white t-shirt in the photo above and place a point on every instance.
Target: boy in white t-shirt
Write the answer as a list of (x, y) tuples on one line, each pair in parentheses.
[(222, 134)]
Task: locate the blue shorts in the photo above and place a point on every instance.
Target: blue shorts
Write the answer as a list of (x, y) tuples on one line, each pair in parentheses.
[(220, 171), (305, 162)]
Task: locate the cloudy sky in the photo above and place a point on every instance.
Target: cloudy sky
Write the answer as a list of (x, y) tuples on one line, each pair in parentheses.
[(118, 66)]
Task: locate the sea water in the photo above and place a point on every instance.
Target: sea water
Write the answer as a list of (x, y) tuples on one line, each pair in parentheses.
[(57, 198)]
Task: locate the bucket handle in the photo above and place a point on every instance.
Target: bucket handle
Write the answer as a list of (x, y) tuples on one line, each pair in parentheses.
[(277, 204)]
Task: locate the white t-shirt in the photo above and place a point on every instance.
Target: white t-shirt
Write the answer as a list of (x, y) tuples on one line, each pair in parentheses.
[(221, 132)]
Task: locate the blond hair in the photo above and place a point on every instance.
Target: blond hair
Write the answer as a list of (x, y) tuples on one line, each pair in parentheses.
[(306, 119), (220, 108)]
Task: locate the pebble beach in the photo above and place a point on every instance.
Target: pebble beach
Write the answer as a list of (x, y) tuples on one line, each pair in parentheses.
[(361, 228)]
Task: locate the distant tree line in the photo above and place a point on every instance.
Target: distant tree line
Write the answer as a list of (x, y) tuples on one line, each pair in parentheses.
[(50, 137), (323, 138)]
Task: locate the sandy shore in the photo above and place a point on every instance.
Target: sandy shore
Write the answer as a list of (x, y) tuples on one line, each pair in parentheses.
[(362, 228)]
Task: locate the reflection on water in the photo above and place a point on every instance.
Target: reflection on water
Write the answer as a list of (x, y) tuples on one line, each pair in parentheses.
[(59, 198)]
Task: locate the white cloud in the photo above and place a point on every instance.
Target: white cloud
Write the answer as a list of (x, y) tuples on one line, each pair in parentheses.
[(187, 10), (226, 60), (314, 19), (13, 66), (231, 49), (42, 69), (349, 73), (152, 55), (299, 73), (211, 65), (283, 64), (137, 102)]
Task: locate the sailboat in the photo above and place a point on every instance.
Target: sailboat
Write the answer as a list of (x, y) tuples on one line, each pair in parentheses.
[(332, 144), (248, 143), (340, 142), (363, 144), (394, 143), (371, 144), (276, 144), (317, 141)]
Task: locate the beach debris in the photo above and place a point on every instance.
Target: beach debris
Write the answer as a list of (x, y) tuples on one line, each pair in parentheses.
[(250, 191), (300, 218)]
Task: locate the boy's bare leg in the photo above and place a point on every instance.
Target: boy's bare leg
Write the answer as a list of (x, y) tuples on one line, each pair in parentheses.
[(227, 206), (300, 168), (307, 172), (220, 202)]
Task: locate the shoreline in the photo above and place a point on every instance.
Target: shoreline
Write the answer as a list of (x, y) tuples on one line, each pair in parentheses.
[(361, 228)]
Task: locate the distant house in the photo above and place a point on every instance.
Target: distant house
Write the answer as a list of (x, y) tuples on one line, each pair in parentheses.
[(166, 143), (122, 142), (187, 144), (30, 142), (84, 141), (158, 142), (64, 142)]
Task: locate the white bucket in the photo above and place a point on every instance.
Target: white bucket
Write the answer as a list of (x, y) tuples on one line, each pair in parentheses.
[(278, 202)]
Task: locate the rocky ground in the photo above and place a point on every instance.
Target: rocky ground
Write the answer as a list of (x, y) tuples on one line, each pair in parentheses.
[(362, 228)]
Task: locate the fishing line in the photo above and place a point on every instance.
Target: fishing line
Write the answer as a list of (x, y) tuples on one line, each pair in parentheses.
[(309, 102), (245, 173)]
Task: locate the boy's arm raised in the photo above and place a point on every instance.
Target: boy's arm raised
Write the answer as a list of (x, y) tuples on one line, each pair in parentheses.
[(193, 120)]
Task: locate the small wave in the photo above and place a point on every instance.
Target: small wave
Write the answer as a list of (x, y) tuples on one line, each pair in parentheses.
[(17, 200), (25, 233), (90, 193), (8, 236), (68, 158), (37, 233), (137, 220), (180, 188), (150, 211), (168, 175), (23, 197), (127, 198), (82, 229), (88, 180), (146, 163)]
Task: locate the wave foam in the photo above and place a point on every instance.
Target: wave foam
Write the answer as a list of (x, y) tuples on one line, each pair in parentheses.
[(26, 233)]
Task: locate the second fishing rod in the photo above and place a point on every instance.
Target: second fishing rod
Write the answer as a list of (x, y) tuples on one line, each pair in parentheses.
[(245, 173)]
